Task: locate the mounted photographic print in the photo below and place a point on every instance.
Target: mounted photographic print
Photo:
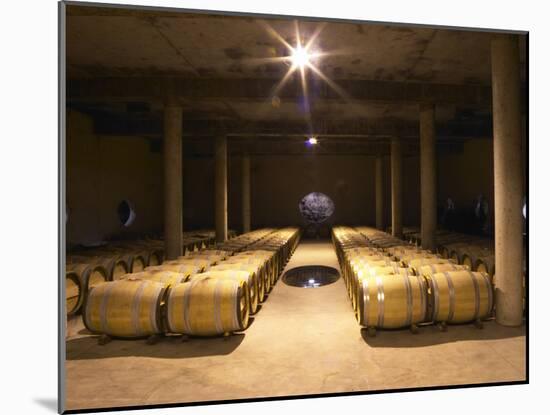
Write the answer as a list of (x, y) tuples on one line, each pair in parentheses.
[(276, 207)]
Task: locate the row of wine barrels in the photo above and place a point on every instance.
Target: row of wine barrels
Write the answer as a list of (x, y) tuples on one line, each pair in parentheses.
[(115, 266), (203, 279), (133, 307), (417, 293)]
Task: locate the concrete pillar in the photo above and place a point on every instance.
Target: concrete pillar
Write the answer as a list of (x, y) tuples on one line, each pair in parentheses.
[(396, 188), (508, 179), (220, 197), (246, 193), (428, 183), (379, 188), (173, 203)]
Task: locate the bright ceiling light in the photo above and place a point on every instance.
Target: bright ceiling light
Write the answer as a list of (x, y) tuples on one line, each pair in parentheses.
[(312, 141), (300, 57)]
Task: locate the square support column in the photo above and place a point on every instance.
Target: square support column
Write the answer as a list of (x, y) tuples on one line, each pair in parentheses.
[(246, 193), (428, 183), (173, 203), (508, 179), (379, 189), (396, 188), (220, 197)]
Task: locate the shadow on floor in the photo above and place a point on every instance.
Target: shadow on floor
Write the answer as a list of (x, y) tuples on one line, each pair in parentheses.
[(48, 403), (172, 347), (431, 335)]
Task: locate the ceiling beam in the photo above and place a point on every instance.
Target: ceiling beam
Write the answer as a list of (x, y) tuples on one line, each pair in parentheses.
[(144, 88), (152, 127)]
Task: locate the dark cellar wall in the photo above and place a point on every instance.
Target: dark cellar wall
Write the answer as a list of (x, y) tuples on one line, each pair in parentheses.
[(102, 171)]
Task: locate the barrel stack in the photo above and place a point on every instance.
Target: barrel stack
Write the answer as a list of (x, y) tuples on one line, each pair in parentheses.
[(206, 292), (392, 284)]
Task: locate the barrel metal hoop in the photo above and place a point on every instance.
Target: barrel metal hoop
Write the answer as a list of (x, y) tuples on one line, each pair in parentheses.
[(477, 296), (435, 295), (366, 300), (408, 289), (103, 309), (186, 299), (136, 308), (489, 292), (217, 306), (380, 301), (452, 298), (153, 309), (236, 307), (423, 291)]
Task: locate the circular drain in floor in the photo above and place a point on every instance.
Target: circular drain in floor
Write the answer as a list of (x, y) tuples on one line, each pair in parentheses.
[(311, 276)]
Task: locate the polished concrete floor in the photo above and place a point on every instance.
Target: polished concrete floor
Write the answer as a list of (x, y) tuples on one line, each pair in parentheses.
[(303, 341)]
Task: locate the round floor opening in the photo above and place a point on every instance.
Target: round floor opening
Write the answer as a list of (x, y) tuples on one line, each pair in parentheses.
[(311, 276)]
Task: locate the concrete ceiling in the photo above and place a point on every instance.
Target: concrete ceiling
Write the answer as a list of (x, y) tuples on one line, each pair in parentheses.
[(117, 45)]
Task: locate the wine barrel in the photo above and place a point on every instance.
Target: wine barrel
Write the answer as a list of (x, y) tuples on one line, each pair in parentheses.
[(210, 252), (211, 258), (486, 264), (89, 276), (179, 268), (416, 263), (203, 263), (362, 270), (391, 301), (460, 296), (155, 258), (387, 270), (128, 308), (164, 277), (265, 264), (139, 262), (207, 307), (472, 253), (248, 276), (74, 294), (427, 270), (260, 275)]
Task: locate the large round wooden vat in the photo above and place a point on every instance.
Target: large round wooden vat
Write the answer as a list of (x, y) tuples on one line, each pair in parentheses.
[(391, 301), (207, 306), (127, 308), (460, 296)]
